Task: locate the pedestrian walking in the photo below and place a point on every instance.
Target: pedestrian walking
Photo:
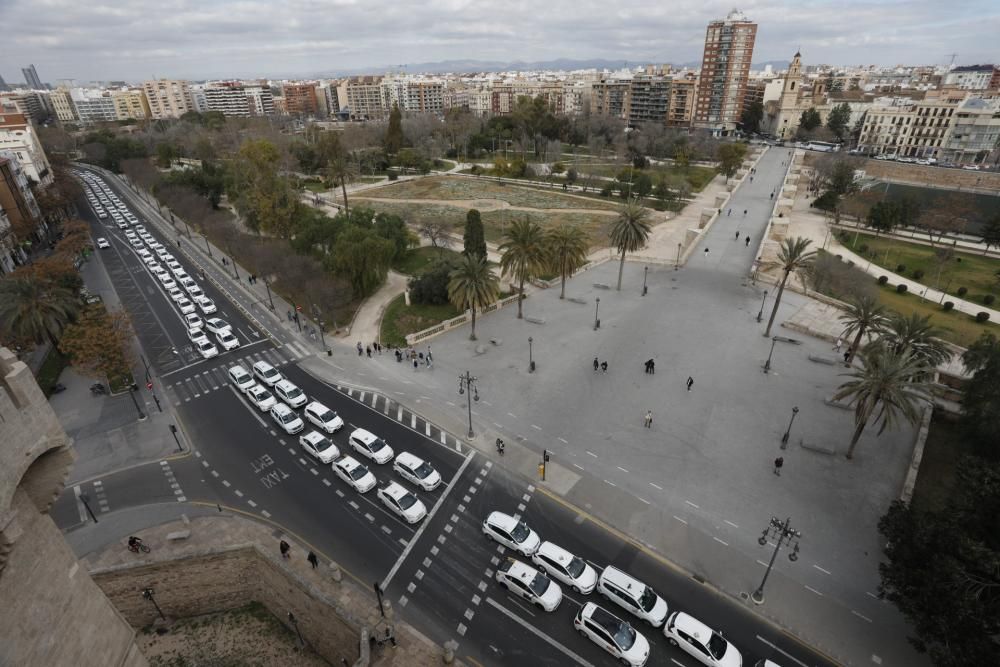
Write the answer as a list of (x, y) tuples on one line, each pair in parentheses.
[(690, 382), (225, 262), (751, 179), (597, 364), (289, 315), (283, 546), (847, 355), (648, 419), (313, 560), (706, 253), (747, 244), (368, 351), (604, 367), (399, 357), (778, 462), (744, 213), (772, 195), (360, 349), (429, 355), (652, 367), (649, 366), (415, 364), (836, 347), (730, 212), (737, 234), (500, 446)]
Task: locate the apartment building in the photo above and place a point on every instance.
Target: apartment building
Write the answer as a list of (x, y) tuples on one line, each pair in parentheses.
[(610, 96), (31, 78), (10, 253), (683, 97), (94, 106), (62, 103), (905, 127), (168, 98), (973, 77), (235, 98), (33, 104), (724, 71), (975, 131), (199, 102), (18, 211), (362, 97), (18, 136), (130, 104), (300, 98)]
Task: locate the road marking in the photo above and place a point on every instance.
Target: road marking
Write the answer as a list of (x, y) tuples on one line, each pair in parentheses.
[(238, 493), (251, 503), (861, 616), (821, 569), (266, 514), (413, 421), (644, 500), (512, 415), (592, 454), (578, 466), (872, 595), (354, 505), (735, 526), (537, 428), (621, 468), (610, 483), (541, 635), (656, 486), (725, 544), (326, 481), (809, 588), (563, 441), (691, 504), (399, 414), (461, 629), (680, 519), (784, 653)]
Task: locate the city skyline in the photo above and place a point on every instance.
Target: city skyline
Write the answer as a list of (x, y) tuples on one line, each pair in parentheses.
[(136, 41)]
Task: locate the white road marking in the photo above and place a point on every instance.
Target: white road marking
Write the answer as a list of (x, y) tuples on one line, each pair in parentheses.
[(725, 544), (530, 628), (680, 519), (610, 483), (512, 415), (821, 569), (787, 655), (809, 588), (592, 454), (733, 525), (656, 486), (688, 502), (578, 466), (562, 440), (644, 500), (537, 428), (621, 468), (861, 616)]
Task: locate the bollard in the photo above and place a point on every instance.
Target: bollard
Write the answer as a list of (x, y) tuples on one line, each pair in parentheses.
[(450, 647), (387, 607), (335, 572)]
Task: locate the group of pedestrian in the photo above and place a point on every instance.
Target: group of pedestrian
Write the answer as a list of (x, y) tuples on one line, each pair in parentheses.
[(252, 279), (650, 367), (285, 550), (602, 365)]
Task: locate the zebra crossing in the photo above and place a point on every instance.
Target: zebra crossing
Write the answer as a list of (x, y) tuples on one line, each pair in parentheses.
[(212, 379)]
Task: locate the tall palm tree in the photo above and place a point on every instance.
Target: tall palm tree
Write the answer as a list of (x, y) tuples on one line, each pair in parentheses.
[(865, 316), (887, 387), (340, 169), (31, 309), (916, 334), (523, 254), (472, 285), (567, 246), (792, 258), (629, 232)]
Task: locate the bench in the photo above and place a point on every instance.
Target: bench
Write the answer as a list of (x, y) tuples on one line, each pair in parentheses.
[(786, 339), (178, 535), (829, 361), (602, 286), (534, 320), (576, 299)]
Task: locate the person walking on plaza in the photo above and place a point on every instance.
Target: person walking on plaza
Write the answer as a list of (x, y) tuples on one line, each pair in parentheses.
[(730, 212), (778, 462), (597, 364), (313, 560), (737, 234), (604, 367), (648, 419), (430, 357), (690, 382), (747, 244), (837, 346), (415, 364), (652, 367), (744, 213), (368, 351), (500, 446), (360, 349), (283, 547)]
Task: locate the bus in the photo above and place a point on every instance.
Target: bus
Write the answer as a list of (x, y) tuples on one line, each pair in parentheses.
[(822, 146)]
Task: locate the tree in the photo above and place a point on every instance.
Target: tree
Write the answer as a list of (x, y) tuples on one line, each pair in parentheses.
[(567, 247), (883, 216), (474, 238), (836, 177), (981, 395), (730, 156), (940, 568), (34, 310), (888, 387), (864, 316), (751, 117), (99, 343), (431, 286), (523, 254), (341, 171), (991, 233), (362, 257), (265, 199), (810, 119), (948, 214), (792, 257), (629, 232), (394, 132), (438, 232), (917, 336), (838, 119), (472, 286)]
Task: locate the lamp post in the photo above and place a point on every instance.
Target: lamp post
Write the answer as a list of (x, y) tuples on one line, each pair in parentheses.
[(645, 272), (788, 431), (267, 286), (85, 499), (760, 313), (131, 392), (467, 383), (207, 246), (767, 364), (295, 624), (677, 264), (597, 309), (784, 532), (531, 359), (147, 593)]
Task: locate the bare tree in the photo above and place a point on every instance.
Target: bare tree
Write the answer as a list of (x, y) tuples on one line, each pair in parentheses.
[(437, 231), (948, 215)]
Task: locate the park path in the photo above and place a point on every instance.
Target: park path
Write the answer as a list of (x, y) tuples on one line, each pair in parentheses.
[(486, 205), (368, 319)]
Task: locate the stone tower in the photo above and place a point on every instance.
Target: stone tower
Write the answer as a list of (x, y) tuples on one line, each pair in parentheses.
[(789, 111), (51, 611)]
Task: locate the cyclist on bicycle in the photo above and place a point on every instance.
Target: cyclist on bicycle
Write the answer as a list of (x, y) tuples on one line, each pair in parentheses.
[(134, 542)]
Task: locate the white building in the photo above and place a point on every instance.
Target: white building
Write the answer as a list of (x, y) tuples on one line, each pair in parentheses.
[(18, 136), (93, 106)]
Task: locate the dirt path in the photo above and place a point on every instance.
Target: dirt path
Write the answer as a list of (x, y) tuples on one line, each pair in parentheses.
[(365, 327), (486, 205)]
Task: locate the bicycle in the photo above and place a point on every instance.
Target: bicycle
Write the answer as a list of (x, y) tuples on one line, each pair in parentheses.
[(137, 546)]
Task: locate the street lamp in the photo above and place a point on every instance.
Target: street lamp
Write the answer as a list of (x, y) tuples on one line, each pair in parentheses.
[(760, 313), (147, 593), (784, 438), (531, 359), (131, 392), (597, 308), (267, 286), (84, 498), (783, 531), (677, 264), (645, 272), (767, 364), (467, 381), (207, 247)]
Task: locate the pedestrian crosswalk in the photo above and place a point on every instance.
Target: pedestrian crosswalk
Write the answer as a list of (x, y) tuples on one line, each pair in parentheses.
[(209, 379)]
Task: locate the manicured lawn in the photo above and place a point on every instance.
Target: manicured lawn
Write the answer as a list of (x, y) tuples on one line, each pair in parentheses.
[(400, 319), (697, 177), (976, 273), (957, 327), (417, 260), (945, 446), (315, 186), (51, 368)]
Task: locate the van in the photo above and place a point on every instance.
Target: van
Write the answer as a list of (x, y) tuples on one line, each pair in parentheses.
[(633, 595)]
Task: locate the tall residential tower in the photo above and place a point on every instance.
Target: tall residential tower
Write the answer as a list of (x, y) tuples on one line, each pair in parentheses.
[(725, 67)]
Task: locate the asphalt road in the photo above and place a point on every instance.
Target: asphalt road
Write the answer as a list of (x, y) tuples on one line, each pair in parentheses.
[(438, 573)]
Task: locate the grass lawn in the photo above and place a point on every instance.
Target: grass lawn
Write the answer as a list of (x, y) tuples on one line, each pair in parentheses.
[(957, 327), (51, 368), (315, 186), (945, 446), (445, 165), (976, 273), (417, 260), (697, 177), (400, 319)]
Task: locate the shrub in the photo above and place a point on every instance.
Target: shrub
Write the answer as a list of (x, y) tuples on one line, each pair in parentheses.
[(863, 248), (962, 291), (918, 274), (882, 280), (901, 288), (982, 316), (900, 268), (393, 175), (989, 299), (431, 286), (948, 305)]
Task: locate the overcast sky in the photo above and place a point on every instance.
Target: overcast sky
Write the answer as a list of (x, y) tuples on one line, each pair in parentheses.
[(197, 39)]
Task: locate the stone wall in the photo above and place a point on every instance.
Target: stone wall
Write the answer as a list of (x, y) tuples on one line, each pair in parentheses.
[(916, 174)]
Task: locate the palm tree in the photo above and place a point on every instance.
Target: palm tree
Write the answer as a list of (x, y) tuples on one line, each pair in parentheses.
[(472, 285), (792, 257), (523, 254), (916, 335), (629, 232), (887, 387), (865, 316), (567, 246), (340, 170), (31, 309)]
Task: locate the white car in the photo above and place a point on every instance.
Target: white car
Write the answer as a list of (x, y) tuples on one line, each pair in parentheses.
[(700, 641), (319, 447), (355, 474), (370, 446), (612, 634), (261, 397), (158, 271), (265, 372), (402, 503), (290, 393), (526, 582), (565, 567), (206, 349), (188, 283), (178, 271), (185, 305), (632, 595), (286, 418), (207, 305), (241, 377), (140, 228), (154, 267), (175, 294), (511, 533), (196, 293), (149, 261), (196, 335), (323, 417), (229, 342), (193, 321), (215, 325), (103, 243), (136, 243), (167, 282), (414, 469)]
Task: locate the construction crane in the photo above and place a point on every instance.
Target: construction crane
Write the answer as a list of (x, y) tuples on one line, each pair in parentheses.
[(952, 56)]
